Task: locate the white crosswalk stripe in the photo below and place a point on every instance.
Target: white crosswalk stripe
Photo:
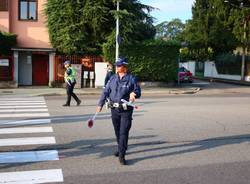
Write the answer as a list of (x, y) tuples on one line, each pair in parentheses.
[(28, 156), (14, 115), (25, 130), (27, 141), (20, 102), (21, 108), (8, 115), (31, 177), (26, 122)]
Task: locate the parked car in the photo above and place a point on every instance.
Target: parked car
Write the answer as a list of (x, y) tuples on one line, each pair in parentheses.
[(185, 75)]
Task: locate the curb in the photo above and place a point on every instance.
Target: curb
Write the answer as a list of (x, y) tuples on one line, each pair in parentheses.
[(227, 81), (61, 93)]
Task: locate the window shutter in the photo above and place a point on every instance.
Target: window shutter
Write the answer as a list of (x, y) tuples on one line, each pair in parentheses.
[(3, 5)]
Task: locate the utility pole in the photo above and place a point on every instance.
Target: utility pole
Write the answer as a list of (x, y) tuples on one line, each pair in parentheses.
[(117, 31), (244, 51)]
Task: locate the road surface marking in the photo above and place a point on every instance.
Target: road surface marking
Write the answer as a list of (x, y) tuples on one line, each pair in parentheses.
[(11, 98), (32, 177), (10, 115), (28, 156), (25, 103), (21, 101), (27, 141), (22, 106), (26, 122), (23, 110), (25, 130)]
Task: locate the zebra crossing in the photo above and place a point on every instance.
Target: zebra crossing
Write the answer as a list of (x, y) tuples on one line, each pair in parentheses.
[(16, 115)]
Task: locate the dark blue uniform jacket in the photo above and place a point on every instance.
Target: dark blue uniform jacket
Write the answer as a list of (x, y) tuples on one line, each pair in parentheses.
[(117, 89), (108, 76)]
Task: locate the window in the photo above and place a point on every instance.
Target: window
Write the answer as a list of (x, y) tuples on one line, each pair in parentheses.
[(3, 5), (27, 9)]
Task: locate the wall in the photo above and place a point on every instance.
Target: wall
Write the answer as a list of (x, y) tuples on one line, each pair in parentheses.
[(31, 34), (190, 65), (211, 71), (100, 74), (4, 21)]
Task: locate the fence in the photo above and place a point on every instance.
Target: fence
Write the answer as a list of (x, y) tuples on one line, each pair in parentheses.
[(87, 62), (6, 68)]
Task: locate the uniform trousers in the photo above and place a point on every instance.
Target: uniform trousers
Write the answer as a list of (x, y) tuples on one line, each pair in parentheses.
[(69, 89), (122, 121)]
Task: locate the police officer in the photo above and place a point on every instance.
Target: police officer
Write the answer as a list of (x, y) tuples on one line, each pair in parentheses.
[(69, 77), (121, 86), (109, 73)]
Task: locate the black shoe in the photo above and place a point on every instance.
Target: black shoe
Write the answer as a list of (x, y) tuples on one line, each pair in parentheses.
[(122, 160), (116, 153), (79, 102), (65, 105)]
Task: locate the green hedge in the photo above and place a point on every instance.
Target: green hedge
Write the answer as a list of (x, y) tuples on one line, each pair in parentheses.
[(228, 63), (154, 60), (7, 41)]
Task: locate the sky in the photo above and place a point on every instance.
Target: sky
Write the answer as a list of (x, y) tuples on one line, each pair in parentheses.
[(170, 9)]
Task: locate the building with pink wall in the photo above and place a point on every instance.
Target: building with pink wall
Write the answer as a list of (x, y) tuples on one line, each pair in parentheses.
[(33, 54), (4, 21)]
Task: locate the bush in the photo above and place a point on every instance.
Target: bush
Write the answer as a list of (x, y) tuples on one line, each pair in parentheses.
[(228, 63), (7, 41), (153, 60)]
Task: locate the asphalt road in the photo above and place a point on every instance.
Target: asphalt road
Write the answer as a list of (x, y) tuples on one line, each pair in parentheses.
[(175, 139)]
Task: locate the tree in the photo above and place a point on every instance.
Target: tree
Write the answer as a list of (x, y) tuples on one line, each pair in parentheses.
[(84, 26), (211, 27), (170, 30), (7, 41)]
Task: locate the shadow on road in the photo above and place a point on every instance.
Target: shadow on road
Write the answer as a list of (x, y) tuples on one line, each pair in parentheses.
[(61, 119), (195, 146), (105, 147)]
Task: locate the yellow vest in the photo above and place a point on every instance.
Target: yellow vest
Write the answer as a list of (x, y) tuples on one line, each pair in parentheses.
[(70, 77)]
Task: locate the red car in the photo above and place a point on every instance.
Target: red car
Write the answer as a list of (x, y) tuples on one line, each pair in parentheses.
[(185, 75)]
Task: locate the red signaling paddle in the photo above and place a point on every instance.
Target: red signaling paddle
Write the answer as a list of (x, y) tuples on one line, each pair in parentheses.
[(91, 121)]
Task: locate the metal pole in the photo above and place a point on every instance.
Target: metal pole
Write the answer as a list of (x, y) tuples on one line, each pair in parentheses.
[(244, 52), (178, 77), (117, 32)]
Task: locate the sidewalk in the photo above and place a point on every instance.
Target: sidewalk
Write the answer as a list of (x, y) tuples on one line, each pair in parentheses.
[(46, 91), (198, 87)]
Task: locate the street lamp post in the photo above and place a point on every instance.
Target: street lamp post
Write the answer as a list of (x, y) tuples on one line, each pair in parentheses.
[(243, 63), (117, 31)]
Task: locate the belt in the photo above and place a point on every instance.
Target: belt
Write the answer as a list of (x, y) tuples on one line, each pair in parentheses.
[(116, 105), (121, 106)]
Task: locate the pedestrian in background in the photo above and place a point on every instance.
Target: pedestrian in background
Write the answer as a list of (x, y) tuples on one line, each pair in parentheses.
[(109, 73), (69, 78), (122, 85)]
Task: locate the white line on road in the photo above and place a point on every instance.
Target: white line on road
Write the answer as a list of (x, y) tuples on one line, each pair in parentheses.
[(8, 115), (25, 103), (24, 130), (32, 177), (22, 106), (21, 101), (28, 156), (23, 110), (27, 141), (26, 122), (21, 98)]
